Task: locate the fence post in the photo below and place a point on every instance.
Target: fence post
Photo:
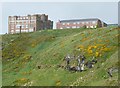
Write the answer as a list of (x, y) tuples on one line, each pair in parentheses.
[(20, 29)]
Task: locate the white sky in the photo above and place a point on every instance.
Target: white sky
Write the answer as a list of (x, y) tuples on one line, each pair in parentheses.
[(0, 18), (106, 11), (59, 0)]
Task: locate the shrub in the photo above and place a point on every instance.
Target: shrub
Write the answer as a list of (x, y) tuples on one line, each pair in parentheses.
[(21, 82)]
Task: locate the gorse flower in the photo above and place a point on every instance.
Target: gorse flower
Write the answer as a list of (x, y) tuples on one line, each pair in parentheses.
[(23, 79), (58, 83), (95, 49), (90, 51), (97, 54)]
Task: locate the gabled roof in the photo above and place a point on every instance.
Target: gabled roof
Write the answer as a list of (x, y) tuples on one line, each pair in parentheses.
[(79, 20)]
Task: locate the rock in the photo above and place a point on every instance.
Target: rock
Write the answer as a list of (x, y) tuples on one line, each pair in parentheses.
[(94, 61), (89, 64), (39, 67), (112, 70), (81, 78), (12, 40), (102, 63)]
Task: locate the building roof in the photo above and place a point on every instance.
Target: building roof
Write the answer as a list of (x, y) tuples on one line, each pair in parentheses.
[(79, 20)]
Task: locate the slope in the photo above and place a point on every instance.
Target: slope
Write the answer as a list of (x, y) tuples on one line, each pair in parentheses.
[(23, 53)]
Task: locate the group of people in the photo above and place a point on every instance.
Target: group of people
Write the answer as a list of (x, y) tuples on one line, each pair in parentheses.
[(80, 62)]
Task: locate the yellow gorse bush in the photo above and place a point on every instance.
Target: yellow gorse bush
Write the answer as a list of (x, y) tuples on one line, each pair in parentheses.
[(96, 50), (58, 83), (97, 54), (23, 79), (62, 44), (90, 51)]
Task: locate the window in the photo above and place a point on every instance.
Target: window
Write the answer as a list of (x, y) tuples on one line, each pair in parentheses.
[(12, 27), (24, 30), (78, 22), (61, 28), (12, 22), (17, 31), (22, 22), (31, 25), (87, 22), (17, 22), (63, 23), (32, 21), (67, 23), (32, 17), (82, 22), (74, 23), (73, 26), (21, 18), (30, 30), (95, 26), (91, 26), (18, 26), (26, 26), (67, 27), (26, 21), (12, 18), (22, 26), (93, 22), (12, 30), (26, 17)]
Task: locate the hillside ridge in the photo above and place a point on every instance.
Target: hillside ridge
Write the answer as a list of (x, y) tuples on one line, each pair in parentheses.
[(23, 53)]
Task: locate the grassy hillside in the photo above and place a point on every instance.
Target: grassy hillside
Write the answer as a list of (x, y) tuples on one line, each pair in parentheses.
[(23, 53)]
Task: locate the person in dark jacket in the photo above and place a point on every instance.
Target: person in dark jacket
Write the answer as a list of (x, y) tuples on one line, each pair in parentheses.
[(89, 64), (79, 63), (110, 72), (83, 59), (67, 58)]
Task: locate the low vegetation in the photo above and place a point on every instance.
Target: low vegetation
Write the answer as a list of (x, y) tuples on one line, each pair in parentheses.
[(23, 53)]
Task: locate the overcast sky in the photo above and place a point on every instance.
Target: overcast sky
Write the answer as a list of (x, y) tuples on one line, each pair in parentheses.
[(106, 11)]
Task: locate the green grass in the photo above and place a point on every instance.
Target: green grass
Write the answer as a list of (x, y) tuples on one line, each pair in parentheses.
[(22, 53)]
